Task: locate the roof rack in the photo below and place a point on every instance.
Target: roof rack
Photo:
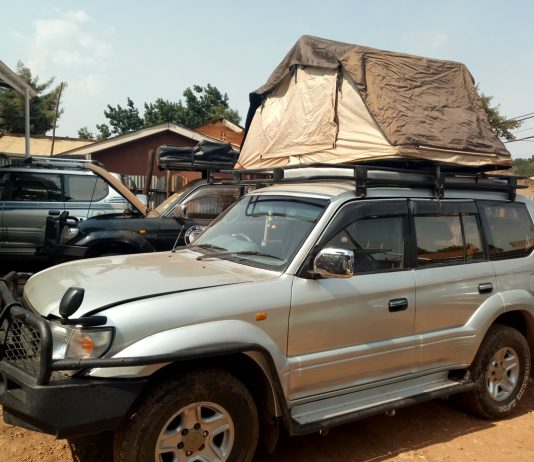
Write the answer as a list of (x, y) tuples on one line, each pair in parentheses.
[(368, 176), (58, 162)]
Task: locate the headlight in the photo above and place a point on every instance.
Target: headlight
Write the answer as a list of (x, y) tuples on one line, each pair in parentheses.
[(68, 233), (70, 342)]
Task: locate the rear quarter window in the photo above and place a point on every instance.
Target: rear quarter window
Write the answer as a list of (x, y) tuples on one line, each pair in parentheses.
[(509, 229), (85, 188)]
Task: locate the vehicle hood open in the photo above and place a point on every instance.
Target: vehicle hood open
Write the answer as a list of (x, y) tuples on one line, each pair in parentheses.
[(119, 187), (110, 281)]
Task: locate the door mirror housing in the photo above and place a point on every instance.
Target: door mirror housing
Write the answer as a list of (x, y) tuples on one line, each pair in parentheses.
[(334, 263), (180, 211)]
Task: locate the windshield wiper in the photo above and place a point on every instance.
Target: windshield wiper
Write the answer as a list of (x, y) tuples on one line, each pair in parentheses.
[(237, 253)]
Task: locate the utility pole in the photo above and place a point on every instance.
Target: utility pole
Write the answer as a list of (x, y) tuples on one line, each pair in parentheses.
[(55, 119)]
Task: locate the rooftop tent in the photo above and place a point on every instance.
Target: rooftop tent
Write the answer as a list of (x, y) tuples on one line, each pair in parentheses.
[(332, 102)]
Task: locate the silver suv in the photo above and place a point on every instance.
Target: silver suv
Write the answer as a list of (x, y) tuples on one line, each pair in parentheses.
[(327, 296), (42, 187)]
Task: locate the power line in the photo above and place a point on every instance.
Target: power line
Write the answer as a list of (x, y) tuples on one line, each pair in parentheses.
[(523, 130), (526, 138), (521, 116)]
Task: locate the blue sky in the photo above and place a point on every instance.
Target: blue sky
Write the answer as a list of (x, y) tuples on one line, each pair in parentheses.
[(109, 50)]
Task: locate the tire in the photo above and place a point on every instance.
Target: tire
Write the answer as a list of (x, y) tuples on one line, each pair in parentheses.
[(500, 371), (202, 416)]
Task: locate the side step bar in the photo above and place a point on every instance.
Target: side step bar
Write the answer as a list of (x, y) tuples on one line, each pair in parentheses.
[(320, 415)]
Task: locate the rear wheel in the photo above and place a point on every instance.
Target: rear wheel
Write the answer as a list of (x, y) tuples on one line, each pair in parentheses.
[(205, 416), (500, 371)]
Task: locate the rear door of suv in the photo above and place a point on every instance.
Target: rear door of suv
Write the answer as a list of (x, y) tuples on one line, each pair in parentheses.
[(453, 279)]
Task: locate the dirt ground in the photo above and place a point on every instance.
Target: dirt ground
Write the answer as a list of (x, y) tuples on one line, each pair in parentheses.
[(438, 431)]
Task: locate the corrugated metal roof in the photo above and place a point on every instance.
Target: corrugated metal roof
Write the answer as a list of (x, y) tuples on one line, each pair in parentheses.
[(13, 145)]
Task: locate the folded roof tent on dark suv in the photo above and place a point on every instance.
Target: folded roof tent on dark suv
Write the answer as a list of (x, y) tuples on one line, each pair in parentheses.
[(175, 222)]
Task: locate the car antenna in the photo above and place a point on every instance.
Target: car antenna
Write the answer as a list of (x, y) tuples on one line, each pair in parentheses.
[(177, 239)]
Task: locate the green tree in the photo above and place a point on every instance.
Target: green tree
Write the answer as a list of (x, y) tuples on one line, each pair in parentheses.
[(200, 105), (203, 104), (103, 132), (42, 106), (500, 124), (85, 134), (524, 167), (124, 120), (162, 111)]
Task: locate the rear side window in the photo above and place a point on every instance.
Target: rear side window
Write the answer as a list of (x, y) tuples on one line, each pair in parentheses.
[(85, 188), (38, 187), (509, 229), (447, 234)]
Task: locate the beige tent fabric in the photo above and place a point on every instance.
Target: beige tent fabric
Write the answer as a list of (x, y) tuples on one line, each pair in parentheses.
[(299, 114), (389, 106), (365, 143)]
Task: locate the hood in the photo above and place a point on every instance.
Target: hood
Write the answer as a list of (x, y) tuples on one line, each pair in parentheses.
[(118, 186), (112, 280)]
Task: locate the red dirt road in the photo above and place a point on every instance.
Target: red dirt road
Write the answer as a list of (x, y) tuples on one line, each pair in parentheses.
[(438, 431)]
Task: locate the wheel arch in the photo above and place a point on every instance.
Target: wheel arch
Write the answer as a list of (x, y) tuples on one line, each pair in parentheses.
[(522, 321), (244, 366)]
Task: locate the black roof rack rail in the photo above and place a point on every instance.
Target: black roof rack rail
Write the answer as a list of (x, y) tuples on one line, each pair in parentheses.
[(438, 178), (54, 162)]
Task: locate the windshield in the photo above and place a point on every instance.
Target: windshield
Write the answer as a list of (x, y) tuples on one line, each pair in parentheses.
[(174, 199), (264, 231)]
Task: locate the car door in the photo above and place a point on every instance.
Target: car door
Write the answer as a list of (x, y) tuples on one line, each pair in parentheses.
[(29, 199), (351, 331), (453, 279)]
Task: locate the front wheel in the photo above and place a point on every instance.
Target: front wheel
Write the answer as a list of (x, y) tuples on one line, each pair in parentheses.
[(500, 370), (204, 416)]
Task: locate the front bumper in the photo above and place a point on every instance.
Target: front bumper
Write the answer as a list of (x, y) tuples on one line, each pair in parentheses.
[(35, 395), (68, 407), (65, 252)]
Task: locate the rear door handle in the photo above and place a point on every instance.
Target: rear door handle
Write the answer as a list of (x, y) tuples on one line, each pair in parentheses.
[(485, 288), (398, 304)]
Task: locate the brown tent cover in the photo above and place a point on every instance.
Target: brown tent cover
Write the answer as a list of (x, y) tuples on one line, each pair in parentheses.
[(418, 105)]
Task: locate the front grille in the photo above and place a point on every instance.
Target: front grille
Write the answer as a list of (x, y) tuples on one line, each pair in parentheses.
[(22, 347)]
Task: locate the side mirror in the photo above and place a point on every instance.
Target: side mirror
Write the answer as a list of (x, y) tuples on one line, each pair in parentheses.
[(70, 302), (180, 211), (334, 263)]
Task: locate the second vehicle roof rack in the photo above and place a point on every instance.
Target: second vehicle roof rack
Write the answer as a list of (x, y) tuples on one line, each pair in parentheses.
[(58, 162)]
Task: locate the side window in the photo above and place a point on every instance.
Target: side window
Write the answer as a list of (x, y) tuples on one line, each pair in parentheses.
[(85, 188), (209, 201), (508, 227), (447, 235), (376, 240), (44, 187)]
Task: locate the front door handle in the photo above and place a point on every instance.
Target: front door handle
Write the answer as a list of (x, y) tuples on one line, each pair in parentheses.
[(485, 288), (398, 304)]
